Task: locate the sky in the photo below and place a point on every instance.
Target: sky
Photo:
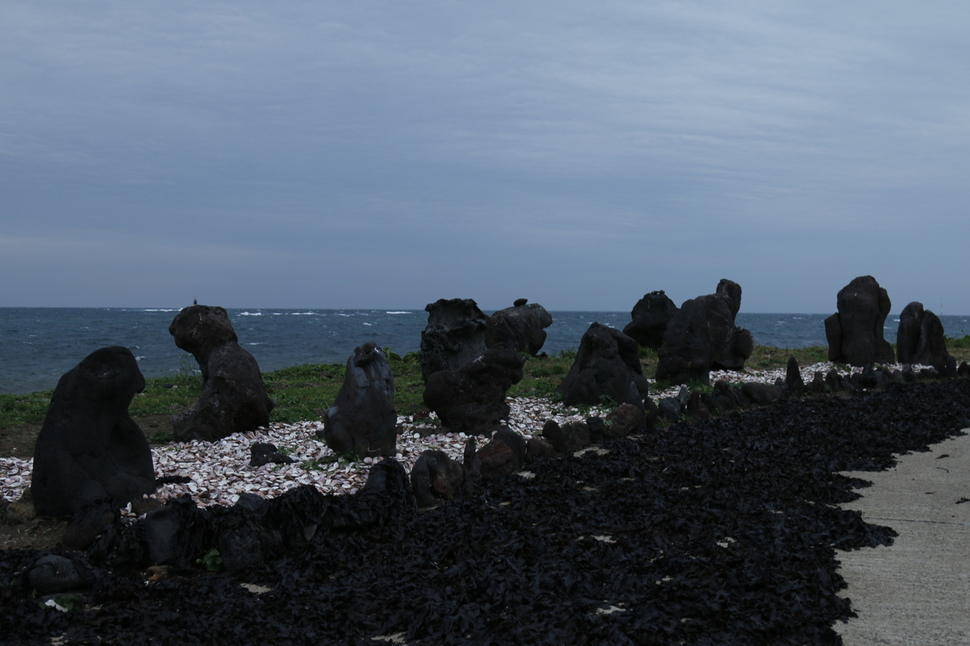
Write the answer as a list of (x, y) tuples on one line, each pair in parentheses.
[(387, 154)]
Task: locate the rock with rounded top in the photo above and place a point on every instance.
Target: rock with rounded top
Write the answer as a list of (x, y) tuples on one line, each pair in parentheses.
[(920, 338), (855, 332), (650, 317), (606, 369), (89, 448), (435, 476), (200, 330), (567, 438)]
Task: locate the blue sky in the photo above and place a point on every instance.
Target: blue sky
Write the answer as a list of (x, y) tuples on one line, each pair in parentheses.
[(387, 154)]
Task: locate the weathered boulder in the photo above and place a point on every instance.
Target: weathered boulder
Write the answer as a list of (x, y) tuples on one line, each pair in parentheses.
[(233, 397), (725, 397), (920, 338), (503, 455), (700, 406), (650, 317), (50, 574), (453, 337), (472, 399), (855, 332), (436, 476), (362, 420), (731, 346), (793, 378), (623, 420), (520, 327), (538, 447), (687, 351), (760, 394), (607, 367), (89, 448), (568, 438), (262, 453)]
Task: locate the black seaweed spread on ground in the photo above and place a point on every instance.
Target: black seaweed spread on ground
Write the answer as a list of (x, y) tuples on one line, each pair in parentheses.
[(720, 532)]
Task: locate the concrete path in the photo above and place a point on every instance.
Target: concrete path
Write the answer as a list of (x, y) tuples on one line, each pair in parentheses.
[(916, 591)]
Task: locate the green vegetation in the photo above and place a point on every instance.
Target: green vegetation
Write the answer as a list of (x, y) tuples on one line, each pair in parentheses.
[(166, 396), (16, 410), (768, 358), (212, 561), (954, 344)]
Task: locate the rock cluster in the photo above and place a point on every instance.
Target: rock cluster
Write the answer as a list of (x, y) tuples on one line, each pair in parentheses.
[(699, 336), (233, 397)]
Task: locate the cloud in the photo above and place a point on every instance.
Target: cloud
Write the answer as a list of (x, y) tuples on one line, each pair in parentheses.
[(584, 154)]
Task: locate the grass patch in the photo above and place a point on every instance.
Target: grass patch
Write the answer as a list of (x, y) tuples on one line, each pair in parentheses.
[(24, 409), (767, 358)]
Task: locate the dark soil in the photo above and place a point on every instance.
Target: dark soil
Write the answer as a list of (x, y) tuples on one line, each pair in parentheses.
[(18, 441), (720, 532)]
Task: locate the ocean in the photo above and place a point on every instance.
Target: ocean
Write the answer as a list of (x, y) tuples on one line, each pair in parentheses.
[(38, 345)]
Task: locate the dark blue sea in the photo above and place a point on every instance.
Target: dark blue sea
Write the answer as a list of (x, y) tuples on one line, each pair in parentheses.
[(38, 345)]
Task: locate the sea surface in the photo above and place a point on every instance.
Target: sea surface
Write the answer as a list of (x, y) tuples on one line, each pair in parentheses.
[(38, 345)]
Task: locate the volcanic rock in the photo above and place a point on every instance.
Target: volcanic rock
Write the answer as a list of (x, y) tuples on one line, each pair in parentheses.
[(453, 337), (687, 351), (520, 327), (725, 397), (233, 397), (435, 476), (362, 420), (503, 455), (473, 399), (200, 330), (731, 345), (920, 338), (650, 317), (607, 367), (568, 438), (623, 420), (855, 332), (793, 378), (89, 448)]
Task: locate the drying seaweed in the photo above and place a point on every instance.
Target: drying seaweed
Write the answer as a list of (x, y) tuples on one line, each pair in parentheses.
[(718, 532)]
